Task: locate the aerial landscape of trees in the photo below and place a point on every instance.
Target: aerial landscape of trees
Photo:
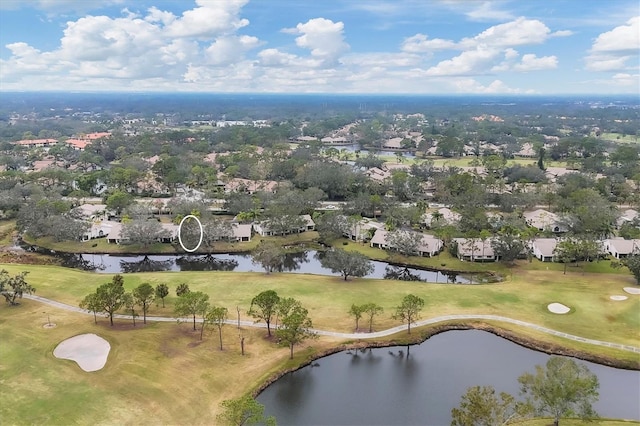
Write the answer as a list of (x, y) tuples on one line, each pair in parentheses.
[(486, 182)]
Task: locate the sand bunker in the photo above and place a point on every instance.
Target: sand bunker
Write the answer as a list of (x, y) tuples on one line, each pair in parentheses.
[(632, 290), (88, 350), (618, 297), (558, 308)]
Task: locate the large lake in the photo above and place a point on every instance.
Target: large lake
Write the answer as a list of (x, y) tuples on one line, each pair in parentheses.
[(420, 386)]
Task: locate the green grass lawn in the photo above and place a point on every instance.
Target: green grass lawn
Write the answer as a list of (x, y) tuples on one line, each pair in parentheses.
[(618, 137), (161, 373)]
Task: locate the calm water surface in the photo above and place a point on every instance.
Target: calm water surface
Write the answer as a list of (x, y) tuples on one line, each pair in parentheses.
[(303, 262), (420, 386)]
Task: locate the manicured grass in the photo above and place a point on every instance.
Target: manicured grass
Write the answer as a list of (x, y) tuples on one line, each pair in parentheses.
[(525, 296), (163, 373), (156, 374), (618, 137)]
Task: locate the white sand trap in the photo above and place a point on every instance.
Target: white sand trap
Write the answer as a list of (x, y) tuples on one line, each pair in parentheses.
[(90, 351), (618, 297), (558, 308), (632, 290)]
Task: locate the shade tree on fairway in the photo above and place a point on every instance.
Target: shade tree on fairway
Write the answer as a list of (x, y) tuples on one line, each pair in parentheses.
[(12, 287), (193, 304), (91, 302), (182, 289), (295, 328), (264, 306), (356, 312), (217, 316), (372, 309), (409, 310), (347, 263), (111, 296), (162, 291), (285, 305), (245, 411), (130, 306), (562, 388), (143, 296)]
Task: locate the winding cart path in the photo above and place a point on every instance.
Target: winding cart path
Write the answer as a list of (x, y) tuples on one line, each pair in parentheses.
[(376, 334)]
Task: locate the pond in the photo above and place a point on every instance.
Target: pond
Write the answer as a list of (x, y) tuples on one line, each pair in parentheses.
[(306, 262), (421, 384)]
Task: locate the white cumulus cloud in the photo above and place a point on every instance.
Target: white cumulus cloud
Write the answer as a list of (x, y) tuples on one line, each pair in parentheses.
[(323, 37), (420, 43), (614, 50)]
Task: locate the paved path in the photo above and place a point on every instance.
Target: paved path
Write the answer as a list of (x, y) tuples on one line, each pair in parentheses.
[(376, 334)]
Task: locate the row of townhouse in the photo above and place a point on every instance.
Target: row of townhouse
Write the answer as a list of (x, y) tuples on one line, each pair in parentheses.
[(544, 248), (428, 245), (112, 231), (265, 228)]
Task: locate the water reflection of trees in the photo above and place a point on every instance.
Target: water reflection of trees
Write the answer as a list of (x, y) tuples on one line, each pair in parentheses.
[(146, 265), (400, 273), (292, 261), (70, 260), (205, 263)]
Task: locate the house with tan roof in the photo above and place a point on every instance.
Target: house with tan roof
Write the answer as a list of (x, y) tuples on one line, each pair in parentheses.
[(250, 186), (627, 216), (94, 212), (378, 175), (543, 248), (621, 248), (475, 250), (544, 220), (393, 144), (442, 216), (428, 246)]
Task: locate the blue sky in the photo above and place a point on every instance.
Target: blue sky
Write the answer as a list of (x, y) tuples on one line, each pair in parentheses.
[(328, 46)]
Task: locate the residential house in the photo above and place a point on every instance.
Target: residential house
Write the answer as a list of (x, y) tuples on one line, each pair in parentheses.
[(250, 186), (361, 230), (339, 140), (526, 151), (171, 232), (115, 234), (543, 248), (393, 144), (36, 143), (475, 250), (443, 216), (93, 212), (99, 229), (627, 216), (378, 175), (264, 227), (544, 220), (309, 223), (621, 248), (429, 245), (241, 232)]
